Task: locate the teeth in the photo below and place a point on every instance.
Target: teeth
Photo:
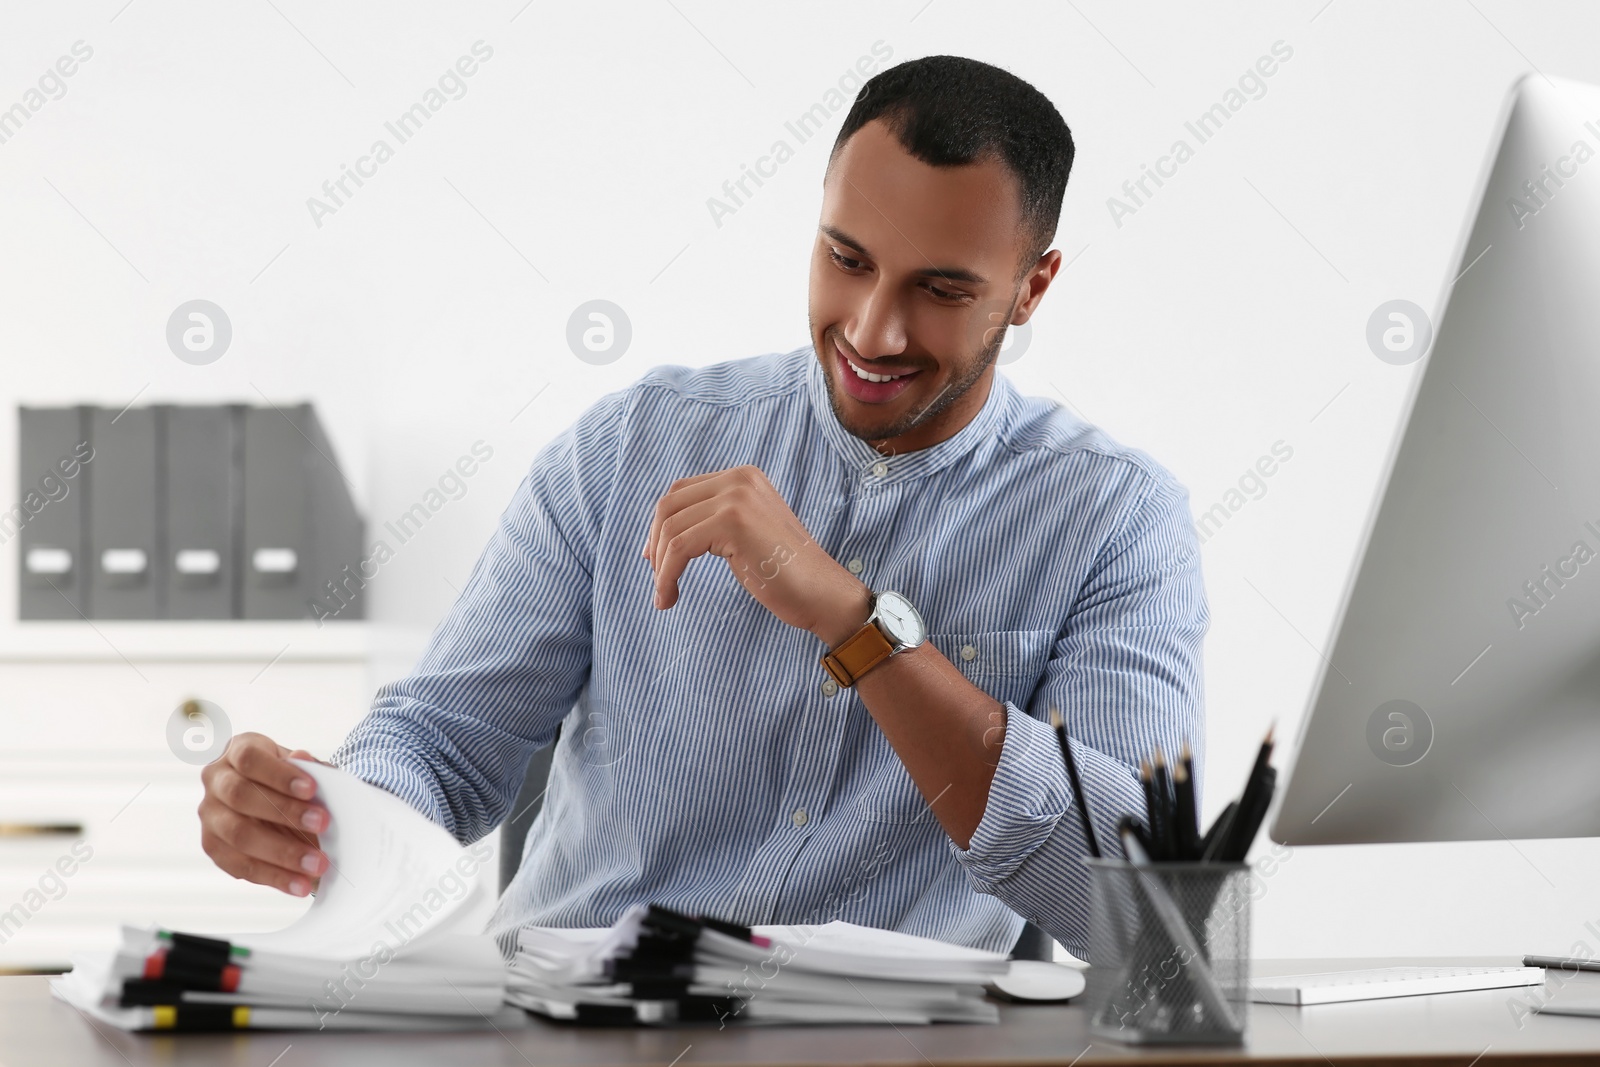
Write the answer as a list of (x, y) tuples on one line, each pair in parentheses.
[(869, 376)]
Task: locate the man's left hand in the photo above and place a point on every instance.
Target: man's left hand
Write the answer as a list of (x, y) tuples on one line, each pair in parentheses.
[(738, 515)]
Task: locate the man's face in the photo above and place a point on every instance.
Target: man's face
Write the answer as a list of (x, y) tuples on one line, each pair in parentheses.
[(913, 273)]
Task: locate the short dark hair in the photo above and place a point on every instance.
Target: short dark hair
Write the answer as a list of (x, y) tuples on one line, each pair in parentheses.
[(950, 111)]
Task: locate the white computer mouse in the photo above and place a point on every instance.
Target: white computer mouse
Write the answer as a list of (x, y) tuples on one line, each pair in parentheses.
[(1036, 981)]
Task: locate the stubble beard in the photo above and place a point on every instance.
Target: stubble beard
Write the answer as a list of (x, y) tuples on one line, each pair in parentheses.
[(911, 420)]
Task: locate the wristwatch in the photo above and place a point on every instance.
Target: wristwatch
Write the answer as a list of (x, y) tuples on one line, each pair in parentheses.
[(893, 626)]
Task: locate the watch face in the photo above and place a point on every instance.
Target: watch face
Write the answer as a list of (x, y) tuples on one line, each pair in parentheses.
[(900, 620)]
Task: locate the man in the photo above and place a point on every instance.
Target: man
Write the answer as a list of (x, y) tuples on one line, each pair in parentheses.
[(775, 735)]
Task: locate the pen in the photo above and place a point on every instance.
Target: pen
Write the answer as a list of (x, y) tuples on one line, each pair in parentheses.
[(1060, 724)]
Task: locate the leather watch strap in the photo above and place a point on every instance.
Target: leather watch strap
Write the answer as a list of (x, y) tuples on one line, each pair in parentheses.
[(857, 654)]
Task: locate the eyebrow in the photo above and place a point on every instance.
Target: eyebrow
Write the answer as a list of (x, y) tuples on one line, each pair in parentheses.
[(949, 274)]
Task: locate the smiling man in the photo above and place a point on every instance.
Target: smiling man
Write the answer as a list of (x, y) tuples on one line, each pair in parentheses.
[(843, 716)]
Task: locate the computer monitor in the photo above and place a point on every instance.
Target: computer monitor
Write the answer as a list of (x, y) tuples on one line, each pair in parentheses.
[(1460, 698)]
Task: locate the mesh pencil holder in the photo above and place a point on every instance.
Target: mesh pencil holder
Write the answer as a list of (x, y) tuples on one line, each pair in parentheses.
[(1169, 952)]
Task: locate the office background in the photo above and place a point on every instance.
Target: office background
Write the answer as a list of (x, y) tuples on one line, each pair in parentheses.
[(1215, 321)]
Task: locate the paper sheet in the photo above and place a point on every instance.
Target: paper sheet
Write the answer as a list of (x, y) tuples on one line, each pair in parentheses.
[(395, 880)]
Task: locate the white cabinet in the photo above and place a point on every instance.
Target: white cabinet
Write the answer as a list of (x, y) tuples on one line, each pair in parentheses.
[(97, 812)]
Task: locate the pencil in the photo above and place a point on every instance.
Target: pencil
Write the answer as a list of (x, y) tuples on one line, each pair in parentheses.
[(1265, 753), (1169, 817), (1077, 783), (1248, 821), (1183, 787), (1250, 801), (1213, 839), (1152, 805), (1129, 825)]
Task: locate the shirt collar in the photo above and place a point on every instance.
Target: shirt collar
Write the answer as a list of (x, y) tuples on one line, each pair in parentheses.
[(879, 469)]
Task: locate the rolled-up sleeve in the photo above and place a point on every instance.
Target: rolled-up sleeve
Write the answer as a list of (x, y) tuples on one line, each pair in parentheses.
[(507, 663), (1127, 675)]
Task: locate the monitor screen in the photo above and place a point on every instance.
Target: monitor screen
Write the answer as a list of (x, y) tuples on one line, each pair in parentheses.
[(1460, 697)]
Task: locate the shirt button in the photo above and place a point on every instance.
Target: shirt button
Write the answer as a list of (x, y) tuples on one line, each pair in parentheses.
[(969, 653), (880, 469), (855, 566), (829, 687), (799, 817)]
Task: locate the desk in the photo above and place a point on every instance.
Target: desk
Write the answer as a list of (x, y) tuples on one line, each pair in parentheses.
[(1451, 1028)]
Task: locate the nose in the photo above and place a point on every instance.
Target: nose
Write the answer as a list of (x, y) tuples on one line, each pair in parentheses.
[(879, 327)]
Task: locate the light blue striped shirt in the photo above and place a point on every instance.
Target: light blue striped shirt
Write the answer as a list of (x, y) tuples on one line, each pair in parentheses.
[(705, 764)]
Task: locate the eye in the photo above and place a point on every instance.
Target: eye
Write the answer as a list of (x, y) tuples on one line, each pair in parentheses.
[(943, 294), (846, 263), (843, 261)]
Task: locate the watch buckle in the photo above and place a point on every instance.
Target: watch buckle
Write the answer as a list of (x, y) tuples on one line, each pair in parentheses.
[(837, 671)]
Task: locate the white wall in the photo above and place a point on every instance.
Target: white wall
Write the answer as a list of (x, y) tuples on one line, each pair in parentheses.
[(428, 310)]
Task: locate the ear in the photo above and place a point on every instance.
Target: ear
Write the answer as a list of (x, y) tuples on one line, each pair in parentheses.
[(1034, 284)]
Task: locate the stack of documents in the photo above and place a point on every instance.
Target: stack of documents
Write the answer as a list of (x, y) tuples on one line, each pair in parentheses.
[(394, 940), (660, 966)]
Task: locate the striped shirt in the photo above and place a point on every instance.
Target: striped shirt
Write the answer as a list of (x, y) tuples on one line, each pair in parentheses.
[(706, 761)]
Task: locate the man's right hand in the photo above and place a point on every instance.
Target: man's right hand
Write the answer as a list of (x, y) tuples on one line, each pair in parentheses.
[(258, 821)]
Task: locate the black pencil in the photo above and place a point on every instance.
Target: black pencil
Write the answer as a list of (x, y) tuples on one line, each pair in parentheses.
[(1188, 833), (1265, 752), (1077, 783), (1249, 801), (1212, 842), (1169, 815), (1248, 821), (1130, 825), (1194, 798), (1152, 805)]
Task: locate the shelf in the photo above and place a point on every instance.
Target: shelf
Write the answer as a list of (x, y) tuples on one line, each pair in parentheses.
[(204, 641)]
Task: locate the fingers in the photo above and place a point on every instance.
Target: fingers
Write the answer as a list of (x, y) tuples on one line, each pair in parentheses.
[(692, 538), (264, 761), (684, 493), (240, 865), (278, 856), (254, 777), (246, 797), (688, 491), (257, 819)]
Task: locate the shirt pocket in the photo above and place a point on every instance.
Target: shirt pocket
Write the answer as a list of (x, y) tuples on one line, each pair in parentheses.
[(1006, 664)]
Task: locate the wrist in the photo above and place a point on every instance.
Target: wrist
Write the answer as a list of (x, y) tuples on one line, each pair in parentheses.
[(846, 614)]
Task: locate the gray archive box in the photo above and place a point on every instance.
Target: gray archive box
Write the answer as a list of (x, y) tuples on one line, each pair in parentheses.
[(126, 564), (204, 472), (302, 534), (54, 457)]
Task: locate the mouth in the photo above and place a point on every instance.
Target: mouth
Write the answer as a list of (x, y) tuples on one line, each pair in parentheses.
[(870, 386)]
